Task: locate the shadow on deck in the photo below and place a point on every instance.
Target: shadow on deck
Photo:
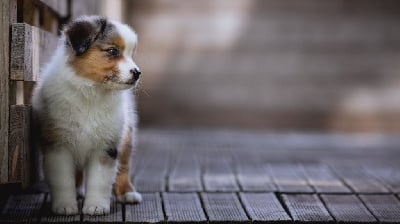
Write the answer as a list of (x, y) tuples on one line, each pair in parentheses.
[(226, 176)]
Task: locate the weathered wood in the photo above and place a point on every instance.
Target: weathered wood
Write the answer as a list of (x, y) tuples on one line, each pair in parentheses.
[(152, 176), (47, 216), (185, 176), (19, 144), (218, 176), (253, 177), (289, 178), (347, 208), (31, 48), (386, 208), (60, 7), (148, 211), (323, 180), (264, 207), (306, 207), (8, 13), (22, 208), (389, 175), (358, 180), (115, 215), (221, 207), (183, 207)]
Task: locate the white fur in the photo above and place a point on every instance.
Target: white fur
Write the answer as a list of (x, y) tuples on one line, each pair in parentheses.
[(89, 117)]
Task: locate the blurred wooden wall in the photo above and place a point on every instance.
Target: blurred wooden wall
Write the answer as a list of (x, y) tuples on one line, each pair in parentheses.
[(276, 64)]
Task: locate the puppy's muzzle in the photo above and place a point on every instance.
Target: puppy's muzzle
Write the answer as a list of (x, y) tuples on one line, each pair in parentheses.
[(135, 75)]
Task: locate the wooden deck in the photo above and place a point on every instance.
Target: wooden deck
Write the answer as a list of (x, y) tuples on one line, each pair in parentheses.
[(243, 177)]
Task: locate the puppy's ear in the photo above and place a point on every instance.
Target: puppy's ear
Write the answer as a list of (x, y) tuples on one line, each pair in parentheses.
[(81, 34)]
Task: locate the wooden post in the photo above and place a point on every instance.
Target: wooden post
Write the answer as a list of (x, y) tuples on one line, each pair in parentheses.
[(8, 15)]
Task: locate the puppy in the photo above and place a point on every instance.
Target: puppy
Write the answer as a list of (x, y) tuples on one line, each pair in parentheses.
[(84, 111)]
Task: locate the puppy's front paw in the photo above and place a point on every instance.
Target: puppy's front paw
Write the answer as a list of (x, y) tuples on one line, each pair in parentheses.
[(65, 208), (96, 208), (130, 197)]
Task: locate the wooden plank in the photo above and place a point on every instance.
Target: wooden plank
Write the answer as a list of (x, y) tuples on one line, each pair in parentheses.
[(115, 215), (223, 207), (183, 207), (147, 211), (359, 181), (264, 207), (23, 208), (47, 216), (185, 176), (60, 7), (19, 144), (386, 208), (218, 176), (347, 208), (289, 178), (306, 207), (152, 176), (323, 180), (8, 11), (31, 48), (390, 176), (253, 177)]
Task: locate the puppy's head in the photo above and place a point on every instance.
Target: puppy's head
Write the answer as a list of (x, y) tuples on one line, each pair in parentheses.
[(102, 51)]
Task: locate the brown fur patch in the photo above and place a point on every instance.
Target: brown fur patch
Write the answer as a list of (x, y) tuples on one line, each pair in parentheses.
[(123, 181), (96, 64)]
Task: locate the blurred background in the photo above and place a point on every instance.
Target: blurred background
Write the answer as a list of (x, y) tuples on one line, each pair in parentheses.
[(267, 64)]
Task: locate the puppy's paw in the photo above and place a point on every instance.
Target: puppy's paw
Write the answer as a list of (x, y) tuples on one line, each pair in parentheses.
[(96, 208), (130, 197), (65, 208)]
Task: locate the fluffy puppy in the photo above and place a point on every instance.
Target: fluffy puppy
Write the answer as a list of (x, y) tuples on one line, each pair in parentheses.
[(84, 110)]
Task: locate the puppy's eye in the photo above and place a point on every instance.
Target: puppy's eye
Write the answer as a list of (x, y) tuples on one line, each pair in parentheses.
[(112, 51)]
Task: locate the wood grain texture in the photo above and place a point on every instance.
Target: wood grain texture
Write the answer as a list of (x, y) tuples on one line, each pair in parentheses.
[(218, 175), (347, 208), (223, 206), (306, 207), (148, 211), (183, 207), (388, 175), (254, 177), (386, 208), (23, 208), (323, 180), (185, 175), (16, 145), (60, 7), (264, 207), (151, 177), (289, 178), (31, 48)]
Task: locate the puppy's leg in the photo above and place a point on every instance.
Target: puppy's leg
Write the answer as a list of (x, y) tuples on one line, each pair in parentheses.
[(100, 175), (123, 188), (60, 174)]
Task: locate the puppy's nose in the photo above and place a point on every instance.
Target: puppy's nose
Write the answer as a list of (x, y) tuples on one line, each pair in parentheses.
[(136, 73)]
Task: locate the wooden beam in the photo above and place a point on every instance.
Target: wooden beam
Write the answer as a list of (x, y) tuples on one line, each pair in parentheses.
[(8, 14), (31, 48)]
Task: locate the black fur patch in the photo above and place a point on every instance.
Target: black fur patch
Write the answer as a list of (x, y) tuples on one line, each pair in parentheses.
[(81, 34), (112, 152)]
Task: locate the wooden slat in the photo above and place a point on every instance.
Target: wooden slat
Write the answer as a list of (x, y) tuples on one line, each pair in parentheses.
[(264, 207), (183, 207), (23, 208), (115, 215), (151, 177), (185, 176), (148, 211), (254, 177), (359, 180), (323, 180), (31, 48), (289, 178), (218, 176), (47, 216), (347, 208), (58, 6), (8, 10), (19, 161), (306, 207), (390, 176), (222, 207), (386, 208)]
